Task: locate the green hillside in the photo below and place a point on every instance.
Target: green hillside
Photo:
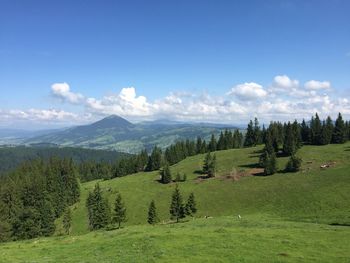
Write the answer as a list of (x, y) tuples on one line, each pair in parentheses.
[(286, 217), (312, 195)]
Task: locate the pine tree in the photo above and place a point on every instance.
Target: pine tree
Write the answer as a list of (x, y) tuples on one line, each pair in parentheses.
[(294, 164), (250, 136), (152, 214), (67, 220), (212, 144), (165, 175), (98, 209), (339, 133), (119, 211), (305, 132), (212, 167), (207, 162), (177, 210), (257, 132), (315, 128), (289, 145), (191, 208), (154, 160), (268, 162)]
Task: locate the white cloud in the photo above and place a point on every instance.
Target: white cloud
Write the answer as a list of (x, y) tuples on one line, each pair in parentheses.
[(317, 85), (62, 91), (284, 82), (248, 91)]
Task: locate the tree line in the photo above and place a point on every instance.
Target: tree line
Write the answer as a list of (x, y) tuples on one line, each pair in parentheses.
[(34, 195), (285, 139)]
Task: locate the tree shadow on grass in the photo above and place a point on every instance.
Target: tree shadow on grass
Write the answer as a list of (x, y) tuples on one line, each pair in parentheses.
[(251, 165)]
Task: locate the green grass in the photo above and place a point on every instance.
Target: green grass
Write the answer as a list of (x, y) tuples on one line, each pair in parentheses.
[(287, 217), (223, 239), (312, 195)]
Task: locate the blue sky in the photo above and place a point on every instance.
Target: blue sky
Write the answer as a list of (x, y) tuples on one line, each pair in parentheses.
[(171, 53)]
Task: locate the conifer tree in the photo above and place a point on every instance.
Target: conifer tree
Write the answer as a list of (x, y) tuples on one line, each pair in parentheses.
[(98, 209), (268, 162), (154, 160), (212, 167), (67, 220), (152, 214), (119, 211), (294, 164), (165, 175), (289, 145), (250, 135), (339, 133), (212, 144), (177, 210), (191, 207), (305, 132), (207, 162), (315, 128)]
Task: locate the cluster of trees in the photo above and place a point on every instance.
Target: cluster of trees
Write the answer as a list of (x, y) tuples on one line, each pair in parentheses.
[(99, 211), (34, 195), (100, 215), (287, 138)]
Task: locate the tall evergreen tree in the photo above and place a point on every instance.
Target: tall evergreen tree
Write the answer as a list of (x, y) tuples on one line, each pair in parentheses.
[(165, 175), (268, 162), (250, 135), (191, 207), (154, 160), (152, 214), (305, 132), (315, 128), (177, 210), (119, 211), (289, 146), (339, 133), (98, 209)]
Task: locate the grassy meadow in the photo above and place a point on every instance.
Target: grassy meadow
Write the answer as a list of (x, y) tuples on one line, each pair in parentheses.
[(286, 217)]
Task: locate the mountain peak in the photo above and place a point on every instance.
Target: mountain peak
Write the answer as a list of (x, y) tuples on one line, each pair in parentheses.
[(112, 121)]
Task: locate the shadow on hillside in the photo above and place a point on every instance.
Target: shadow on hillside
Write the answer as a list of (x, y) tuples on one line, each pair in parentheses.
[(251, 165), (198, 172), (347, 149)]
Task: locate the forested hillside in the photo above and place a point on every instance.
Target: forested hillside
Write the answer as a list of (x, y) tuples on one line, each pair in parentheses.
[(11, 157)]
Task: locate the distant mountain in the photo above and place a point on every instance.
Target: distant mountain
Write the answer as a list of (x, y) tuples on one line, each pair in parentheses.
[(116, 133)]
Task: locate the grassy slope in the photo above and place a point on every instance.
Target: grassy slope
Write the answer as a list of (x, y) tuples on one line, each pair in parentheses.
[(312, 195), (272, 208), (223, 239)]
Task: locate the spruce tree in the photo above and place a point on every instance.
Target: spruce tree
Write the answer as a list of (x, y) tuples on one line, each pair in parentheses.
[(152, 214), (294, 164), (212, 167), (154, 160), (339, 133), (289, 145), (165, 175), (207, 162), (249, 140), (212, 144), (191, 208), (98, 209), (178, 177), (268, 162), (119, 211), (305, 132), (177, 210), (67, 220)]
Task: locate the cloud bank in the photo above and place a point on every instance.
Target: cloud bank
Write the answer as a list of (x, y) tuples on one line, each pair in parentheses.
[(283, 99)]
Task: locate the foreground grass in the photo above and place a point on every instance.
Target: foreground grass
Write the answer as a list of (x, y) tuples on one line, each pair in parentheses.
[(223, 239), (312, 195)]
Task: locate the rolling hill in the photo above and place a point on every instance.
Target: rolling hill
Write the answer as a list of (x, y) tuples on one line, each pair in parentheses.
[(286, 217), (116, 133)]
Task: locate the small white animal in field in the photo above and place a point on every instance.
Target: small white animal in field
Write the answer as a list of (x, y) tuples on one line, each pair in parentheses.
[(239, 217)]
